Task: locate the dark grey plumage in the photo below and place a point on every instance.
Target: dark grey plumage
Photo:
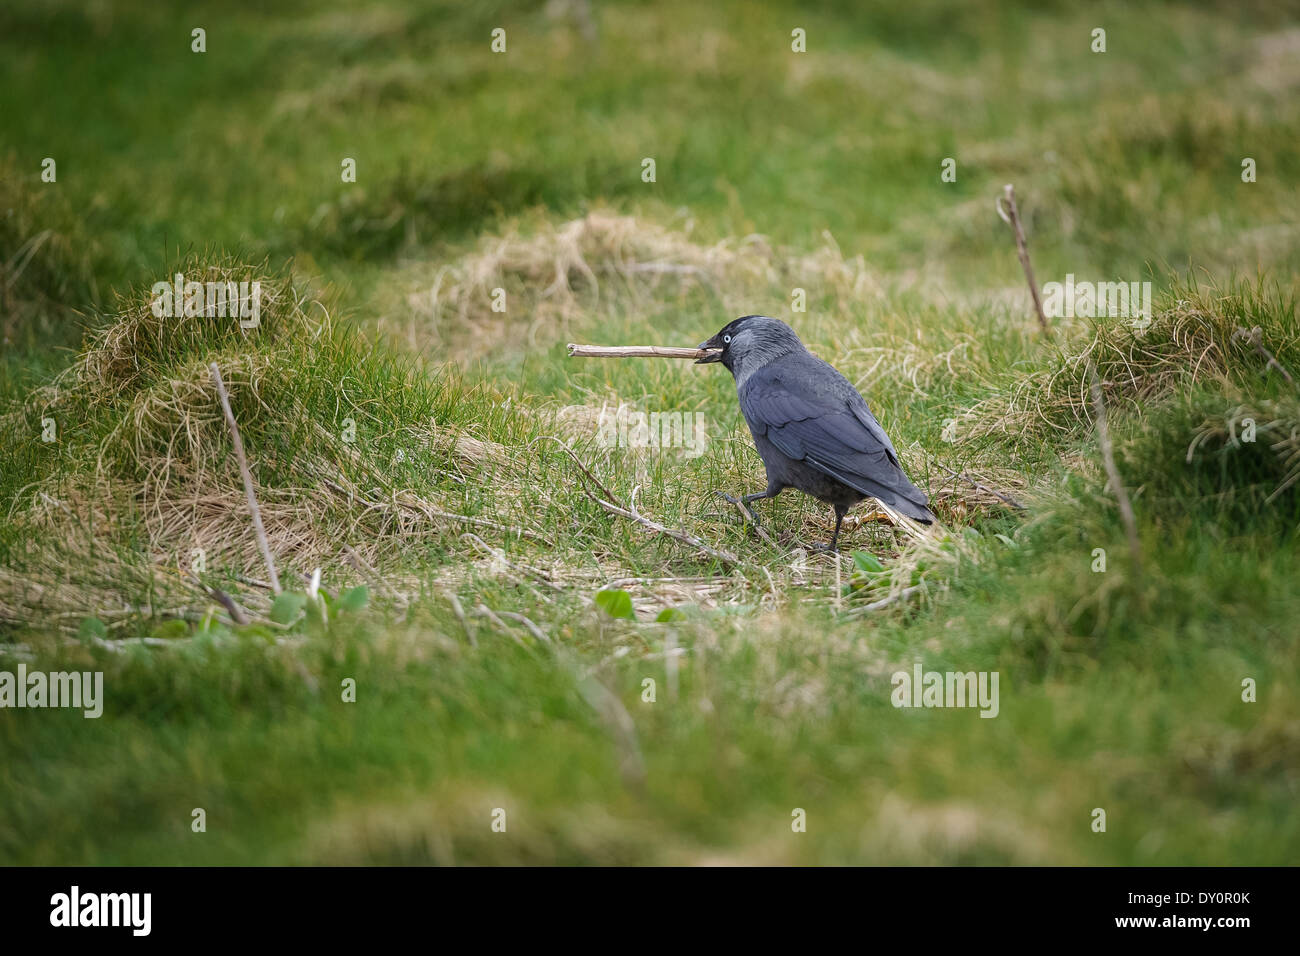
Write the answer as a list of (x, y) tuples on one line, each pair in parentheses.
[(813, 430)]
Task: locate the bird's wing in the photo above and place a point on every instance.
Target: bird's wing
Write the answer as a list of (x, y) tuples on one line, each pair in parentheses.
[(831, 430)]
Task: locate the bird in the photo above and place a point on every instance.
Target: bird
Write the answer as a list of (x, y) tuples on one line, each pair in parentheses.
[(812, 428)]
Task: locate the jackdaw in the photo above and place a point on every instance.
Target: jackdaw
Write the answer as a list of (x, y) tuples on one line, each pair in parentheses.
[(813, 430)]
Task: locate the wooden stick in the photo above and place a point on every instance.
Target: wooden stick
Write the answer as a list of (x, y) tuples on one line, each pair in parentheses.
[(527, 622), (635, 351), (980, 487), (221, 597), (248, 479), (726, 557), (482, 610), (225, 600), (883, 603), (460, 616), (1011, 216), (746, 514)]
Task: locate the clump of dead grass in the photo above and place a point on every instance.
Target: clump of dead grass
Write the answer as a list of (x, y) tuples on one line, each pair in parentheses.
[(561, 275), (900, 362), (1192, 341), (145, 498)]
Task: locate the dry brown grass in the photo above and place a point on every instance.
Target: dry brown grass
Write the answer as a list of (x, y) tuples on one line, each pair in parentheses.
[(562, 275), (1191, 342), (149, 483)]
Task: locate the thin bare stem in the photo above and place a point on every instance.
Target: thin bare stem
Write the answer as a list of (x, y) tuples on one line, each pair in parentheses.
[(633, 515), (460, 616), (248, 479), (885, 602), (978, 486), (528, 623), (747, 514), (237, 613), (1011, 216)]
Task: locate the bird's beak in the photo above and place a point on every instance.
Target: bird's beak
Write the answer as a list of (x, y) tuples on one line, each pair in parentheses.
[(714, 356)]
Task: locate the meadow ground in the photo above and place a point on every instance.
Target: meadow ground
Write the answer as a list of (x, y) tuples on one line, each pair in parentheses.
[(445, 465)]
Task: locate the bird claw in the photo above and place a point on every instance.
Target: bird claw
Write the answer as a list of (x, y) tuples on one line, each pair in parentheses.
[(744, 507)]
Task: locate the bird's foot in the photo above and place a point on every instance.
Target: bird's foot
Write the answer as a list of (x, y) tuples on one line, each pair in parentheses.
[(742, 505)]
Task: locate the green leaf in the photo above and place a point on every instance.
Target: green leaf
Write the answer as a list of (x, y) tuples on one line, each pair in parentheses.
[(91, 627), (286, 607), (354, 599), (668, 615), (868, 562), (616, 603)]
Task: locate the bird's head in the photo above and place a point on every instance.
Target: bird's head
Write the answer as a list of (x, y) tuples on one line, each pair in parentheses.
[(749, 342)]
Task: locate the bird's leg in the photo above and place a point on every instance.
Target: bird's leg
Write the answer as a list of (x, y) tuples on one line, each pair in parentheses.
[(840, 512), (771, 491)]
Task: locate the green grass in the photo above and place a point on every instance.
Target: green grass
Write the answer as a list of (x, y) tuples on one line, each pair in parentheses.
[(460, 507)]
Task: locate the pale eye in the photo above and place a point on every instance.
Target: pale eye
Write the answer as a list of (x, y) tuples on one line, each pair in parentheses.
[(726, 340)]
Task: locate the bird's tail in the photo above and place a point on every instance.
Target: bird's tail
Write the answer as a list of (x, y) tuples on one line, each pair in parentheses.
[(913, 527)]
